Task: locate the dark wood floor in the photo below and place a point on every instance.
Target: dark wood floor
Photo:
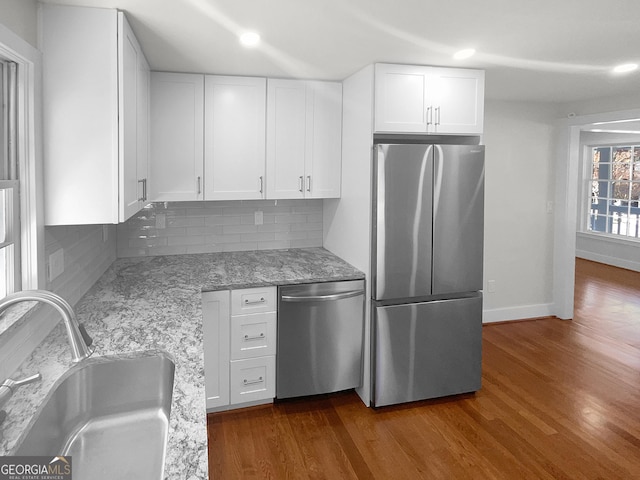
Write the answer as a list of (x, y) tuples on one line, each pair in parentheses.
[(559, 400)]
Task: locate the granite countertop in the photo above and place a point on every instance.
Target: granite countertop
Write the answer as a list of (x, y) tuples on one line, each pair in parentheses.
[(153, 303)]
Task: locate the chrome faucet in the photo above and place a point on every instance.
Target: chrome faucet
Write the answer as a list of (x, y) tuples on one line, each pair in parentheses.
[(79, 340)]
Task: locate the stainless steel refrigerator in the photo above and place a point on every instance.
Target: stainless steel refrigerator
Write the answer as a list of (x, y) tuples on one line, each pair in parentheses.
[(427, 239)]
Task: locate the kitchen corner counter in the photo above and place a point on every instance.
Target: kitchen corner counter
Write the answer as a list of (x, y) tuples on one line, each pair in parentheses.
[(154, 303)]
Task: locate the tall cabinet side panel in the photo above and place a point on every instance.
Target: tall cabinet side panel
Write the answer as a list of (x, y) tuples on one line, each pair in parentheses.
[(347, 221), (215, 326)]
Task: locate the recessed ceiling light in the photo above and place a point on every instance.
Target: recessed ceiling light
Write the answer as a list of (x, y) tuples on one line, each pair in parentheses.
[(625, 68), (465, 53), (250, 39)]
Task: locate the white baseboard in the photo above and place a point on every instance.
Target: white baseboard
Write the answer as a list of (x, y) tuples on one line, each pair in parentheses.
[(523, 312), (609, 260)]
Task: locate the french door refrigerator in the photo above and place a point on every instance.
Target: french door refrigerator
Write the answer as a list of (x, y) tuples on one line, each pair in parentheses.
[(427, 239)]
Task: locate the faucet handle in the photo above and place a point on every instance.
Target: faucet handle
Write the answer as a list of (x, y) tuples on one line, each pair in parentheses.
[(17, 383)]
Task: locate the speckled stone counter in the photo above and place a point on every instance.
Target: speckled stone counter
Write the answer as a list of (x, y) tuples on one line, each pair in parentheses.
[(153, 303)]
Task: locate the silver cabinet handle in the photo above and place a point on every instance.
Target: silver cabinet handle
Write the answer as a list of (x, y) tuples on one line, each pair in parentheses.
[(144, 189), (252, 382), (255, 302), (300, 184), (254, 337), (261, 184), (437, 116), (308, 183), (429, 115), (141, 199), (321, 298)]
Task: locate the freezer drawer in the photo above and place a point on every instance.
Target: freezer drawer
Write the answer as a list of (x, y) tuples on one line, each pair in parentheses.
[(320, 338), (427, 350)]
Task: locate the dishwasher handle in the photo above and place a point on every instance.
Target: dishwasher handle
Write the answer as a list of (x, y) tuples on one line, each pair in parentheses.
[(321, 298)]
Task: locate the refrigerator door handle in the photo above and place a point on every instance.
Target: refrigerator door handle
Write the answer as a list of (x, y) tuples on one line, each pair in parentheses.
[(437, 179)]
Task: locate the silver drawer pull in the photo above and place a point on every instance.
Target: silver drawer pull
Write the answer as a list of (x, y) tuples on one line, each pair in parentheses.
[(255, 302), (252, 382), (254, 337)]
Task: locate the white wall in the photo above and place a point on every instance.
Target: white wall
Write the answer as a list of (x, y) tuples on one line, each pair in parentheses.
[(519, 188), (20, 16)]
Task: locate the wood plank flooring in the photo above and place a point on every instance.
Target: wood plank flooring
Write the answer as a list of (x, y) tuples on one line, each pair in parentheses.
[(559, 400)]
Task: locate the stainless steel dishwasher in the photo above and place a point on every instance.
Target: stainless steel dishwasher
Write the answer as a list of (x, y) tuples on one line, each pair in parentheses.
[(320, 338)]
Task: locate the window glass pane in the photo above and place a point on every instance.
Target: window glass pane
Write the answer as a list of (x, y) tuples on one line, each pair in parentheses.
[(635, 193), (599, 189), (596, 164), (620, 191), (621, 163)]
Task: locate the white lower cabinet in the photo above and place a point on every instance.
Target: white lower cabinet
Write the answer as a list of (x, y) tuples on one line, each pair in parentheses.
[(239, 347)]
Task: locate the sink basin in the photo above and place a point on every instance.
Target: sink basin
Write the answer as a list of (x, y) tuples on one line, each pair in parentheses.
[(110, 414)]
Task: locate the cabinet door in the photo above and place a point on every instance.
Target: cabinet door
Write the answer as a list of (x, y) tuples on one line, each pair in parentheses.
[(234, 137), (324, 140), (286, 138), (457, 99), (129, 52), (401, 98), (215, 317), (177, 136)]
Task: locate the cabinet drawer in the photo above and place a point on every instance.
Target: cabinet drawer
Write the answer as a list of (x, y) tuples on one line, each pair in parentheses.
[(252, 379), (253, 300), (253, 335)]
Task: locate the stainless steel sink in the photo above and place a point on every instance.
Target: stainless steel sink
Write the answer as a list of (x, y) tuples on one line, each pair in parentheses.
[(110, 414)]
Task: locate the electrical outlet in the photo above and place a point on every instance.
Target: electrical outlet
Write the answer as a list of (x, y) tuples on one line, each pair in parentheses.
[(259, 217), (550, 207), (491, 286), (56, 264)]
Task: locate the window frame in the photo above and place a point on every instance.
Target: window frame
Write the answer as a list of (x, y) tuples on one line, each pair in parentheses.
[(586, 189), (29, 150)]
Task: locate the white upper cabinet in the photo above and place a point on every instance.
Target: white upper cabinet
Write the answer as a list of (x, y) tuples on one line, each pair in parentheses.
[(177, 137), (93, 74), (234, 148), (304, 131), (419, 99)]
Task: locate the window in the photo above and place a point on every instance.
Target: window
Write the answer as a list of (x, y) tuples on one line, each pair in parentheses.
[(614, 189), (10, 278)]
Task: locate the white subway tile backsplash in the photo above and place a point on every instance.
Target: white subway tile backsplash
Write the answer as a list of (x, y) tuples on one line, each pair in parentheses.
[(201, 227), (231, 229)]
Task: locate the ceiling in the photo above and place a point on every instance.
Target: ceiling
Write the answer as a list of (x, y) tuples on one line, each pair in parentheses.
[(536, 50)]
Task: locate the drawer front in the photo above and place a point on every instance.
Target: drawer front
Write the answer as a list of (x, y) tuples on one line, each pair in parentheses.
[(253, 300), (253, 335), (252, 379)]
